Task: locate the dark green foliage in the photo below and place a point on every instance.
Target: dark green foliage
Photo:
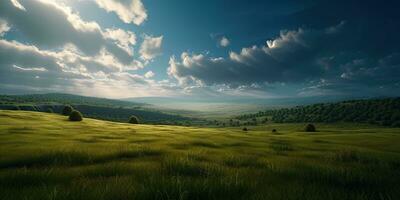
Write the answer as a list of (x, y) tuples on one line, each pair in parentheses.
[(75, 116), (67, 110), (245, 129), (65, 99), (274, 131), (310, 128), (133, 120), (50, 110), (384, 112)]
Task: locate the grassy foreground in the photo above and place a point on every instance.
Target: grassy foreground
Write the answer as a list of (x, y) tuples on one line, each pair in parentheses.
[(44, 156)]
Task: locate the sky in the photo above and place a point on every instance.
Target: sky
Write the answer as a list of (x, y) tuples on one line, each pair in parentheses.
[(200, 49)]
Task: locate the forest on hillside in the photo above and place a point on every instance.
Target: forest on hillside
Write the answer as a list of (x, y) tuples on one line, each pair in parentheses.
[(384, 112)]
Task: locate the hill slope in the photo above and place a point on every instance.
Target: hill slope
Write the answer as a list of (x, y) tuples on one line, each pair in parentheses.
[(98, 108), (384, 112), (44, 156)]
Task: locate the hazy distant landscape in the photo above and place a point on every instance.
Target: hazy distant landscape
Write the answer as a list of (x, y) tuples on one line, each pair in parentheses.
[(199, 100)]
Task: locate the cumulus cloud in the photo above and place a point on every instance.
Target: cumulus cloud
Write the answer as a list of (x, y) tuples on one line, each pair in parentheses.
[(151, 47), (67, 27), (149, 74), (291, 57), (28, 68), (224, 42), (125, 39), (129, 11)]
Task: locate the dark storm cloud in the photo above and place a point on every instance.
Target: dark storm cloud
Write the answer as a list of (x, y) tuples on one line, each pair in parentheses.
[(291, 57), (348, 44)]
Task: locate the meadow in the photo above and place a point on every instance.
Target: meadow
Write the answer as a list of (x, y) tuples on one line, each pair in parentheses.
[(45, 156)]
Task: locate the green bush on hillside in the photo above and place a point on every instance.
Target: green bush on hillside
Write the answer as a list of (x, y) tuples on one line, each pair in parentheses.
[(310, 128), (75, 116), (67, 110), (133, 120)]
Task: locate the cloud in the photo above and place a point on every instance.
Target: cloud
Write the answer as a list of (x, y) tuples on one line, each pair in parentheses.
[(27, 68), (151, 47), (52, 25), (224, 42), (3, 27), (125, 39), (18, 5), (149, 74), (291, 57), (40, 69), (129, 11)]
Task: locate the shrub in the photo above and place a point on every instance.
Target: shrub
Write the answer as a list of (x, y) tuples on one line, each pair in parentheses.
[(274, 130), (133, 120), (50, 110), (75, 116), (310, 128), (67, 110), (245, 129)]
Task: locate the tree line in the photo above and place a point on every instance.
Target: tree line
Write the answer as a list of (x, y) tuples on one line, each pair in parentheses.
[(384, 112)]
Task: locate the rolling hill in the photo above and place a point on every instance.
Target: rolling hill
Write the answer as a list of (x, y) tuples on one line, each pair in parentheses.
[(45, 156), (98, 108)]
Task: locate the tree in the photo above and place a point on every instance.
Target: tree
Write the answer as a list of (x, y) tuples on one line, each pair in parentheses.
[(310, 128), (134, 120), (67, 110), (50, 110), (75, 116)]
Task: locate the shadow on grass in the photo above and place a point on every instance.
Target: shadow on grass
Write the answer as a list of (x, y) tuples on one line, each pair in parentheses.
[(74, 158)]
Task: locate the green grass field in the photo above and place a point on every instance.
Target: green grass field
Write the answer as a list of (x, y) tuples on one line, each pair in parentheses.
[(44, 156)]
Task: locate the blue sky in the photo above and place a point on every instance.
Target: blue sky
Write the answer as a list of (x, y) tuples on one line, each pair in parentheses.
[(204, 49)]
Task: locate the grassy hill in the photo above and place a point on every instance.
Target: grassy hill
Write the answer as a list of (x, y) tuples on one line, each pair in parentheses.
[(93, 107), (44, 156)]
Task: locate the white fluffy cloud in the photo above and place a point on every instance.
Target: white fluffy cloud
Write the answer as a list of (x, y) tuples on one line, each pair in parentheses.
[(125, 39), (151, 47), (129, 11), (63, 52), (149, 74), (224, 42), (56, 25)]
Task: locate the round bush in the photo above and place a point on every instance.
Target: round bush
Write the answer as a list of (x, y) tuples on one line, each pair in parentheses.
[(310, 128), (133, 120), (50, 110), (75, 116), (245, 129), (67, 110), (274, 130)]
